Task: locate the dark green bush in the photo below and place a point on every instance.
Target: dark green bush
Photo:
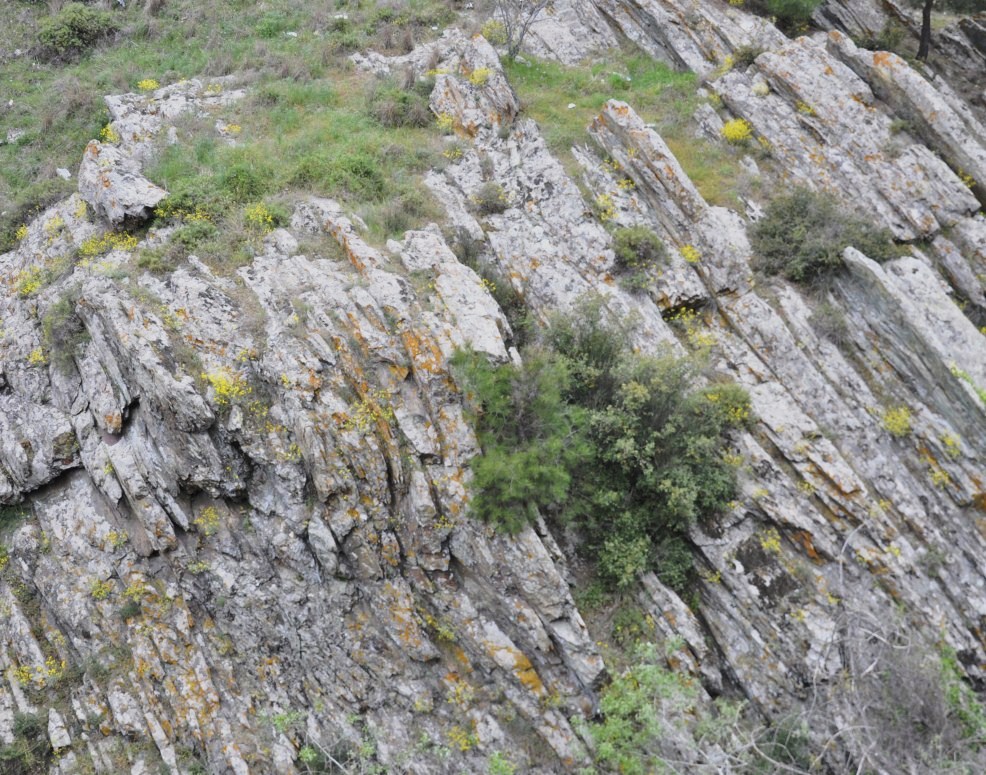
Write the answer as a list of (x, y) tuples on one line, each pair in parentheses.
[(74, 29), (63, 333), (803, 234), (194, 233), (638, 247), (791, 15), (530, 442), (245, 178), (638, 250), (30, 752), (616, 444)]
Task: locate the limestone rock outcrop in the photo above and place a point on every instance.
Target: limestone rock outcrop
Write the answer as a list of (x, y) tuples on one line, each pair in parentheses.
[(241, 500)]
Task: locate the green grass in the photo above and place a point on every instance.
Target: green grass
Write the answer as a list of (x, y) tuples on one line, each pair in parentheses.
[(660, 95), (59, 105), (296, 139)]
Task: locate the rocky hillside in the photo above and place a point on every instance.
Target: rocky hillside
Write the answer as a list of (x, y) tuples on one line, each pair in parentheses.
[(235, 457)]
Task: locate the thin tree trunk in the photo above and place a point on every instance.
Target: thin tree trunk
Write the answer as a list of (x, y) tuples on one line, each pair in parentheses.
[(925, 46)]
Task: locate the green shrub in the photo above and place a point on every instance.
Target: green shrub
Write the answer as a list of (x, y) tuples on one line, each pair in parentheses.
[(491, 199), (616, 444), (31, 200), (395, 107), (791, 15), (272, 24), (245, 178), (526, 433), (194, 233), (638, 250), (405, 210), (63, 333), (30, 752), (129, 610), (803, 234), (830, 323), (13, 515), (74, 29), (638, 247), (634, 710)]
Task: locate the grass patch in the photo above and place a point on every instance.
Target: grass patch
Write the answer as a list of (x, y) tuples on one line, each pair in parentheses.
[(324, 138), (58, 105), (661, 96)]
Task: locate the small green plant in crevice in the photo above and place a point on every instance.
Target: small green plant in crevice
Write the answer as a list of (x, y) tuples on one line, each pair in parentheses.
[(638, 251), (960, 697), (618, 445), (62, 332), (13, 515), (792, 16), (829, 322), (803, 234), (499, 764), (965, 377), (491, 199)]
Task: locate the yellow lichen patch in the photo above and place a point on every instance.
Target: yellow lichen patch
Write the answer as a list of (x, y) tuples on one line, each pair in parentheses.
[(425, 353), (526, 674)]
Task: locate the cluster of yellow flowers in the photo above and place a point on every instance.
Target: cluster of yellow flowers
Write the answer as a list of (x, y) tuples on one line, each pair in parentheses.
[(208, 521), (738, 130), (690, 253), (30, 281), (897, 421), (480, 76), (259, 217), (109, 135), (605, 207), (97, 246), (227, 385), (446, 122)]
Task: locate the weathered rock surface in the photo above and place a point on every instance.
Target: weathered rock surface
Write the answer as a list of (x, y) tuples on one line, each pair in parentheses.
[(824, 127), (697, 36), (247, 496), (111, 183)]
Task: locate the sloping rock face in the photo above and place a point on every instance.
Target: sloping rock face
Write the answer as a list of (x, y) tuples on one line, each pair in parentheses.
[(281, 499), (246, 497), (694, 36), (839, 519)]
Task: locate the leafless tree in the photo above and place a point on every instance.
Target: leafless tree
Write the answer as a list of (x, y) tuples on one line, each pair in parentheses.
[(517, 17)]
